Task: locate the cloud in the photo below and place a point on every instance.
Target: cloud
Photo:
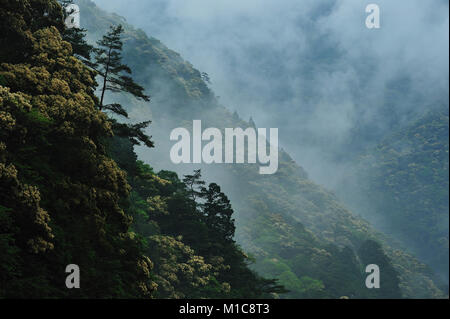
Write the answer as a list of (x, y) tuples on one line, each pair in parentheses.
[(310, 68)]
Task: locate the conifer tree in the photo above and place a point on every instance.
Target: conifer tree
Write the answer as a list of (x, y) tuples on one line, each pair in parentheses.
[(194, 184), (217, 211), (108, 63)]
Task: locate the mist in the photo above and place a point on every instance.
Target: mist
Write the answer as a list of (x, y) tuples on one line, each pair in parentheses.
[(310, 68)]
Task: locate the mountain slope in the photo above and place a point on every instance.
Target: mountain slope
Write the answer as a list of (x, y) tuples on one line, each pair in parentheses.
[(73, 193), (284, 220), (407, 178)]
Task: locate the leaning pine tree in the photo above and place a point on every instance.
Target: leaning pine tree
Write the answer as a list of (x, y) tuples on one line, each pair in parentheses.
[(115, 78)]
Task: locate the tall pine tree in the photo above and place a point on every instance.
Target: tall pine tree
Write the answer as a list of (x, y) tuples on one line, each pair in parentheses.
[(108, 63)]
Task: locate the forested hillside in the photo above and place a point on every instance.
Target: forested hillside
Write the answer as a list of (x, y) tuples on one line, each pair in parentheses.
[(296, 231), (81, 184), (65, 200), (403, 182)]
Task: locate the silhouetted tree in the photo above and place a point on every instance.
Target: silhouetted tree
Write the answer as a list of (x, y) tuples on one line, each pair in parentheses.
[(194, 184), (108, 64), (217, 211)]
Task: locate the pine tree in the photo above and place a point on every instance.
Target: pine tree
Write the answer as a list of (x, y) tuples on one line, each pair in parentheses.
[(134, 132), (194, 184), (217, 211), (80, 48), (108, 64)]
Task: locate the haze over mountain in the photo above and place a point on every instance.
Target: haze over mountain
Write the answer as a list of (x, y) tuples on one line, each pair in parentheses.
[(310, 68)]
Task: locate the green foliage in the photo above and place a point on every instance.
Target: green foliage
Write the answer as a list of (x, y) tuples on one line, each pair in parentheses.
[(9, 258), (371, 252), (108, 63), (190, 232), (217, 211), (76, 37), (61, 195), (80, 47), (134, 132), (19, 19), (407, 178)]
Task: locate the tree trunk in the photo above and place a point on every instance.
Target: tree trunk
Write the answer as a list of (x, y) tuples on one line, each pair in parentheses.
[(105, 79)]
